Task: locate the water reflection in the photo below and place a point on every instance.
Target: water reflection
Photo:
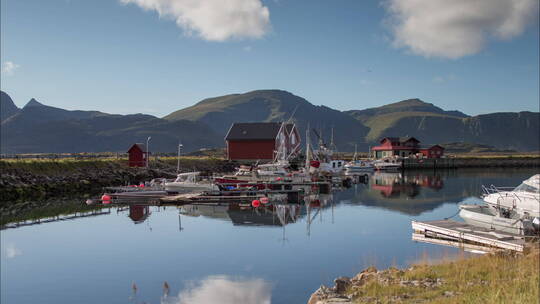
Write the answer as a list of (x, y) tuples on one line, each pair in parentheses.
[(216, 289), (327, 236), (411, 193)]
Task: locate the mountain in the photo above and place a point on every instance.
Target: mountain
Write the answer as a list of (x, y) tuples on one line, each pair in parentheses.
[(7, 106), (432, 125), (409, 105), (39, 128), (275, 105)]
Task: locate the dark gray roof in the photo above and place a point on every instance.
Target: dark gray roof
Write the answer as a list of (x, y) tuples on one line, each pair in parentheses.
[(253, 131), (141, 146)]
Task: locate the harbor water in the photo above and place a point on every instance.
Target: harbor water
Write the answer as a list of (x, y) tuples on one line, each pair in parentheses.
[(235, 253)]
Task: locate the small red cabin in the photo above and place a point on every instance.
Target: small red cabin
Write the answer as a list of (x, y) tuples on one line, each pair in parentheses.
[(137, 155), (262, 141), (435, 151)]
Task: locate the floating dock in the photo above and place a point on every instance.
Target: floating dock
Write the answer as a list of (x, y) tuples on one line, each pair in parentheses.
[(458, 232)]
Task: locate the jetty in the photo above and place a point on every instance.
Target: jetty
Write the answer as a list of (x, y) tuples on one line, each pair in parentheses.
[(462, 235)]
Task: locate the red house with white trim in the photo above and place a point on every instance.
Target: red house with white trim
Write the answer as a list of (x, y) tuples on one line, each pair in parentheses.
[(264, 141), (405, 147)]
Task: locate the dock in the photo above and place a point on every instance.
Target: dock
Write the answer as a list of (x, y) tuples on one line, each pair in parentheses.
[(453, 233), (231, 196)]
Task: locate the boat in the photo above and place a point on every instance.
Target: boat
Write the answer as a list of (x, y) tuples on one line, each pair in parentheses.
[(387, 164), (358, 167), (515, 210), (524, 199), (189, 182), (503, 221)]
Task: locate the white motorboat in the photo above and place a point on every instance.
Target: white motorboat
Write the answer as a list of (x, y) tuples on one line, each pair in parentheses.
[(358, 167), (387, 164), (515, 210), (503, 221), (523, 199), (189, 182)]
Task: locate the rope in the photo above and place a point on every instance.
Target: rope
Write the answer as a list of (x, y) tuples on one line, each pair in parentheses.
[(447, 218)]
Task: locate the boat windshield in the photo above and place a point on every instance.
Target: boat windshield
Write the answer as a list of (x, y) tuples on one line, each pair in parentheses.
[(527, 188)]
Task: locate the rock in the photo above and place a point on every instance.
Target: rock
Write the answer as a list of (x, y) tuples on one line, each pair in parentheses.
[(449, 293), (342, 284)]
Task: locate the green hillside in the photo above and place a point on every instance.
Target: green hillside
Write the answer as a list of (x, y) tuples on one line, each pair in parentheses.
[(275, 105)]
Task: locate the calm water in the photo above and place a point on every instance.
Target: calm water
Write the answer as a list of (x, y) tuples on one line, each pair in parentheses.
[(234, 254)]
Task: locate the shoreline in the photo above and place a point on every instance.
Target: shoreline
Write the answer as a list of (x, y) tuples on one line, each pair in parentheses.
[(465, 280)]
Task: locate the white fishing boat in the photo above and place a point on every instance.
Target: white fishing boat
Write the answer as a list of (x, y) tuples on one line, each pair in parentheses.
[(189, 182)]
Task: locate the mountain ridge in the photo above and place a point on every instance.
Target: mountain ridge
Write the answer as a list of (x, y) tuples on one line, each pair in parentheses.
[(204, 124)]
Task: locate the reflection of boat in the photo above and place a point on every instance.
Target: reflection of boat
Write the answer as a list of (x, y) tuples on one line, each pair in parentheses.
[(189, 182)]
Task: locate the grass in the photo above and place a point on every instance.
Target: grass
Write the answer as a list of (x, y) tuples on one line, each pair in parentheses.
[(493, 278)]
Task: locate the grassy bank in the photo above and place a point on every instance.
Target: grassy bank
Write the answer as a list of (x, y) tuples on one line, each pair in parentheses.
[(494, 278)]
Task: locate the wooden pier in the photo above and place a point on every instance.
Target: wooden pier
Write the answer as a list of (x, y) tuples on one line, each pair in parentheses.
[(231, 196), (458, 232)]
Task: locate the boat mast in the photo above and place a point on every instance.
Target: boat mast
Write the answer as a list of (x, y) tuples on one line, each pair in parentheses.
[(308, 156)]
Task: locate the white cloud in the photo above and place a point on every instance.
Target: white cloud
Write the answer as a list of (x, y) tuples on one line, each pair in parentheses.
[(12, 251), (9, 67), (456, 28), (213, 20), (224, 290), (247, 48)]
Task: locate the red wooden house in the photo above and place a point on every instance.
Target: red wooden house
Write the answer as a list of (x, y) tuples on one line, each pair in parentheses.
[(137, 155), (405, 147), (262, 141)]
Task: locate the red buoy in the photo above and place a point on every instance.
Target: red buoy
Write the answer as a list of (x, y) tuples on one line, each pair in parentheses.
[(105, 199), (264, 200), (255, 203)]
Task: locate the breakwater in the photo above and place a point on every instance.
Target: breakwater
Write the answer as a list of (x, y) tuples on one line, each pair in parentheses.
[(472, 162), (36, 180)]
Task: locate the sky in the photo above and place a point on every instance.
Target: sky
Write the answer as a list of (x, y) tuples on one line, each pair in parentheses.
[(158, 56)]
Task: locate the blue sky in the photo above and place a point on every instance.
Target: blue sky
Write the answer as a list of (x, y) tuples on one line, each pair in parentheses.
[(122, 56)]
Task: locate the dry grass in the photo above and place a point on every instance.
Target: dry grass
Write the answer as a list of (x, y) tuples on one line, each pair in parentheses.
[(494, 278)]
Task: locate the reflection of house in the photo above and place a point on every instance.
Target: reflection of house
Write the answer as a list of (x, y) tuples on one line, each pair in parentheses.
[(262, 140), (138, 213), (404, 147), (392, 185)]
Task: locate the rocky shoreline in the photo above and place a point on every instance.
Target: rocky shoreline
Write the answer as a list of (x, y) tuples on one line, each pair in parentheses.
[(464, 279), (23, 183)]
